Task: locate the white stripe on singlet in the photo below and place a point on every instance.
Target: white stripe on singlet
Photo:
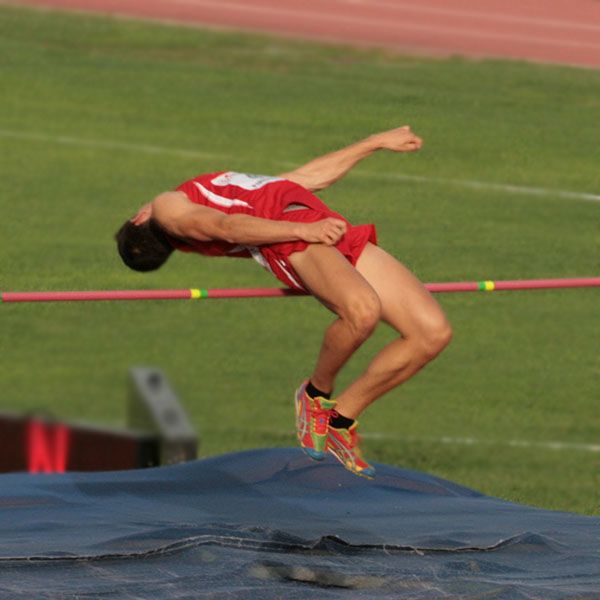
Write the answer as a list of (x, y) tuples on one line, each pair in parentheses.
[(220, 200)]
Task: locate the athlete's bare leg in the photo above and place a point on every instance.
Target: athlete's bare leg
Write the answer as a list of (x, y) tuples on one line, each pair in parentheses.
[(412, 311), (339, 286), (402, 301)]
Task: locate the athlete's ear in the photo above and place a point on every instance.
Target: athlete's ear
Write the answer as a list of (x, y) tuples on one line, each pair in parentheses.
[(142, 215)]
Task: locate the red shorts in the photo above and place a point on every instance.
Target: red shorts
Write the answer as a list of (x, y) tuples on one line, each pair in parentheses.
[(275, 256)]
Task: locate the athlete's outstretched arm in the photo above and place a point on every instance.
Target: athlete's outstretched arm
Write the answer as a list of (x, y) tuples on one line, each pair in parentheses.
[(326, 170)]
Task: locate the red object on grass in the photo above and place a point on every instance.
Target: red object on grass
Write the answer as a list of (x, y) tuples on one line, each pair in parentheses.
[(197, 294), (48, 447)]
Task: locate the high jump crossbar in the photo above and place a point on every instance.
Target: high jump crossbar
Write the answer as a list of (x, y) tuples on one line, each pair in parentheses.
[(199, 293)]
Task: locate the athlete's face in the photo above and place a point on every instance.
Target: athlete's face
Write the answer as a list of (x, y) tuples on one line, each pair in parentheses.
[(143, 214)]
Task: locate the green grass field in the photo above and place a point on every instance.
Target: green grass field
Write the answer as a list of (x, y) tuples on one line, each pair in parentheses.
[(98, 115)]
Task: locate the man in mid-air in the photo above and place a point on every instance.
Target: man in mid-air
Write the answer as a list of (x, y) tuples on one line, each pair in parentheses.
[(289, 231)]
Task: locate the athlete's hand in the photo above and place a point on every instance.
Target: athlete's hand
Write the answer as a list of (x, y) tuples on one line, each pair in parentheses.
[(328, 231), (401, 139)]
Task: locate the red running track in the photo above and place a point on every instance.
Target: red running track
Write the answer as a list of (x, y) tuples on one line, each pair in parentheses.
[(555, 31)]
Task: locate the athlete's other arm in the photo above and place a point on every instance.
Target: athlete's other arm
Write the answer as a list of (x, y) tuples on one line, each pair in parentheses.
[(326, 170), (184, 219)]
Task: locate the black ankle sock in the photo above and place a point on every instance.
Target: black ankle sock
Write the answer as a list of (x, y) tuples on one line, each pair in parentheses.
[(339, 421), (313, 392)]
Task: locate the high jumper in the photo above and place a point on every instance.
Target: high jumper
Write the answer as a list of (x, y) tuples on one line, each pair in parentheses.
[(279, 222)]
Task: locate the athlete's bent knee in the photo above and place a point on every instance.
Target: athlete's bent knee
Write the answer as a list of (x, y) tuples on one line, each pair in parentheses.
[(362, 314), (435, 338)]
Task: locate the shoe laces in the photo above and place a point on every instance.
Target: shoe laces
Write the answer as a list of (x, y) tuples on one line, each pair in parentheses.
[(320, 417)]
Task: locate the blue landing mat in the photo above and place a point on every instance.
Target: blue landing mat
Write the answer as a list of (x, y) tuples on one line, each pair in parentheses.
[(273, 524)]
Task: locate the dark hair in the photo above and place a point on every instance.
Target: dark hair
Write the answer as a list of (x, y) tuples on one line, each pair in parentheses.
[(143, 247)]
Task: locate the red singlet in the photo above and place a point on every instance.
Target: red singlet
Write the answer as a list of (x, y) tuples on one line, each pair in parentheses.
[(268, 198)]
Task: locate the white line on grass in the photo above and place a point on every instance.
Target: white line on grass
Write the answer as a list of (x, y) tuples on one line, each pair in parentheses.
[(464, 441), (152, 149), (488, 185), (108, 144), (468, 441)]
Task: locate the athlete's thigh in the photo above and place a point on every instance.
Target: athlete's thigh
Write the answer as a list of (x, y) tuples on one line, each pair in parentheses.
[(328, 275), (406, 304)]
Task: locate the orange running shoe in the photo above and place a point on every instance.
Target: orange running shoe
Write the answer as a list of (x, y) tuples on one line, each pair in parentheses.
[(312, 422), (343, 444)]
